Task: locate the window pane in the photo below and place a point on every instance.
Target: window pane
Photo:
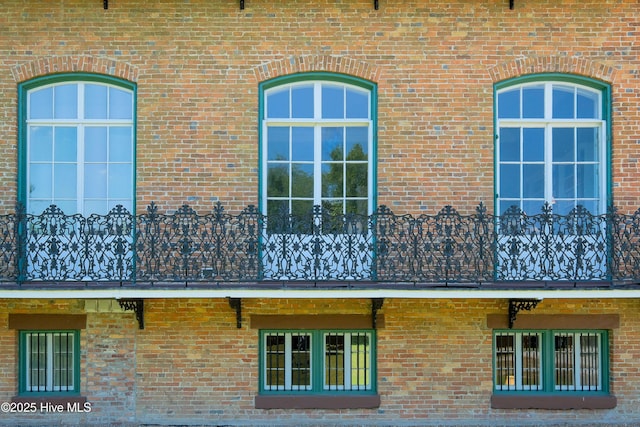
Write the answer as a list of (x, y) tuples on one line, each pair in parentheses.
[(588, 181), (357, 104), (332, 180), (505, 361), (41, 143), (302, 180), (532, 207), (564, 361), (65, 144), (302, 102), (590, 378), (533, 144), (95, 184), (95, 101), (587, 144), (563, 145), (533, 102), (334, 354), (332, 102), (274, 361), (40, 182), (120, 144), (65, 101), (509, 144), (359, 207), (563, 104), (357, 143), (278, 143), (64, 181), (120, 181), (95, 144), (564, 181), (277, 180), (332, 143), (510, 181), (356, 184), (278, 104), (300, 361), (509, 104), (120, 104), (587, 104), (41, 104), (302, 143), (533, 181), (530, 371)]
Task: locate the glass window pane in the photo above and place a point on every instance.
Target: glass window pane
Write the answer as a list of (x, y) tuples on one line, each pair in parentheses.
[(357, 143), (360, 207), (95, 183), (278, 104), (41, 143), (95, 144), (509, 104), (507, 204), (356, 177), (302, 180), (587, 144), (278, 143), (533, 144), (532, 207), (40, 176), (509, 144), (302, 102), (275, 210), (65, 145), (564, 181), (332, 180), (563, 207), (533, 102), (64, 181), (587, 104), (332, 144), (302, 144), (120, 104), (65, 101), (95, 101), (120, 144), (510, 181), (278, 180), (588, 181), (120, 181), (41, 103), (563, 102), (532, 181), (563, 145), (332, 102), (357, 104), (100, 207)]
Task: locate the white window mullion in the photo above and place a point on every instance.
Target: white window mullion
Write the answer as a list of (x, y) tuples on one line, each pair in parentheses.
[(49, 364), (347, 361), (287, 361), (518, 361)]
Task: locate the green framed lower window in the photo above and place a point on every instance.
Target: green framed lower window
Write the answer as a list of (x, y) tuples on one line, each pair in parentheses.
[(317, 361), (49, 362), (551, 361)]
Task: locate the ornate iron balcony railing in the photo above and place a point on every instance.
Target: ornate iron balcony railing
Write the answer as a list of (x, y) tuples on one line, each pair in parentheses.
[(217, 248)]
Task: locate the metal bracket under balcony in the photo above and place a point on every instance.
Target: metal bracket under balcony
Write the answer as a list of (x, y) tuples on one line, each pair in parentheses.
[(236, 304), (135, 305), (516, 305), (376, 305)]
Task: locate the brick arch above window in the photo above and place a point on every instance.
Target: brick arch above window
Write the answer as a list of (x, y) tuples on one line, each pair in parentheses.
[(308, 63), (552, 64), (74, 63)]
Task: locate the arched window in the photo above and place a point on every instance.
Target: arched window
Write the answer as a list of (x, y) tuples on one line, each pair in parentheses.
[(77, 143), (552, 144), (317, 145)]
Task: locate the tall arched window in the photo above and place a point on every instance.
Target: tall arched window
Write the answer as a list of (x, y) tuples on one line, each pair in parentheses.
[(317, 145), (77, 143), (552, 144)]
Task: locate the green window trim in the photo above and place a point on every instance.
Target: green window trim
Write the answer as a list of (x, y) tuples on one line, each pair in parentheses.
[(544, 349), (49, 388), (23, 90), (320, 363)]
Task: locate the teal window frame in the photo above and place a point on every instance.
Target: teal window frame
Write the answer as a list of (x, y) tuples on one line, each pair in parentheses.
[(23, 364), (318, 363), (605, 112), (322, 77), (547, 374), (67, 78)]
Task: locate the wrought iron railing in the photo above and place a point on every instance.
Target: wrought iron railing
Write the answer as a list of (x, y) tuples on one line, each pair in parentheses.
[(217, 248)]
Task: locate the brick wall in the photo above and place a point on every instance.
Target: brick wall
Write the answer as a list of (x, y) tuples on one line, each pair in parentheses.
[(192, 365), (198, 66)]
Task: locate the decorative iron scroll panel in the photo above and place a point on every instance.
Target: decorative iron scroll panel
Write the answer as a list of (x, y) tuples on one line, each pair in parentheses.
[(445, 248)]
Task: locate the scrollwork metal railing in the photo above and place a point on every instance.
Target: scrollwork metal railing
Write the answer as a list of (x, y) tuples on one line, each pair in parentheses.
[(384, 247)]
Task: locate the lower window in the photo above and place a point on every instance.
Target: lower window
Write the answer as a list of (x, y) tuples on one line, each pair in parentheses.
[(49, 362), (551, 361), (317, 361)]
